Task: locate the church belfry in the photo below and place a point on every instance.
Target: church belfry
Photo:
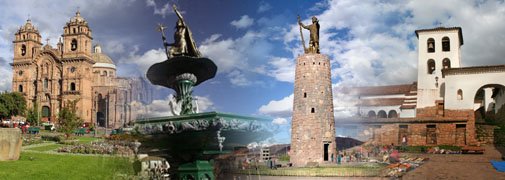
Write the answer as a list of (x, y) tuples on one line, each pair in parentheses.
[(439, 48), (77, 39), (26, 42)]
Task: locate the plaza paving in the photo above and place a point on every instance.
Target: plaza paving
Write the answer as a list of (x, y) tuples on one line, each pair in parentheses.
[(459, 166)]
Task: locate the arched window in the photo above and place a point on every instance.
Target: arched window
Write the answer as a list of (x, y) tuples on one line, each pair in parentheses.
[(23, 50), (392, 114), (371, 114), (382, 114), (47, 68), (105, 73), (72, 86), (446, 63), (45, 111), (304, 95), (460, 94), (446, 44), (20, 88), (74, 30), (46, 84), (431, 66), (313, 110), (431, 45), (73, 45)]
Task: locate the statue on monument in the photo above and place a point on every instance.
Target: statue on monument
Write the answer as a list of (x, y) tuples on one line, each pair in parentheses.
[(183, 45), (184, 68), (314, 35)]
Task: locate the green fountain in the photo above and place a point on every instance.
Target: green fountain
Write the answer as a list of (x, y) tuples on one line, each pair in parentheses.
[(192, 139)]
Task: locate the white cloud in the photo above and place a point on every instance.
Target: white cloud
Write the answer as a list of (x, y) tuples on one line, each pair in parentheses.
[(6, 75), (278, 108), (244, 22), (204, 103), (238, 79), (114, 47), (163, 11), (238, 58), (282, 69), (146, 60), (264, 6), (280, 121)]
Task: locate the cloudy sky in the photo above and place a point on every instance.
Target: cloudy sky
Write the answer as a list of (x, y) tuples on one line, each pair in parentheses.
[(254, 43)]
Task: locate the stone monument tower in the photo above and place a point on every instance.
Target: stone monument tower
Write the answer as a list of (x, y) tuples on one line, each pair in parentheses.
[(313, 125)]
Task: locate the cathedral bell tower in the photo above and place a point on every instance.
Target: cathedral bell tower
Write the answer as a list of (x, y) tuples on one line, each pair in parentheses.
[(26, 45), (77, 37), (26, 42)]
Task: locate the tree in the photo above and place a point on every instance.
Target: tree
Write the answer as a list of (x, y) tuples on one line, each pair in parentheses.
[(68, 119), (12, 104), (32, 115), (4, 112)]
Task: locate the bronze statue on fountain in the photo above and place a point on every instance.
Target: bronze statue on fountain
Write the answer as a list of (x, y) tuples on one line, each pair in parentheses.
[(184, 68)]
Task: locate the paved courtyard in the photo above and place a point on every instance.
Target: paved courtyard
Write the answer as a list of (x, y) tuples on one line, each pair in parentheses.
[(450, 166)]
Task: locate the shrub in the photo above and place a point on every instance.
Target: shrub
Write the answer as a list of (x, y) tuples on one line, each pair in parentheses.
[(55, 138), (450, 147), (415, 149)]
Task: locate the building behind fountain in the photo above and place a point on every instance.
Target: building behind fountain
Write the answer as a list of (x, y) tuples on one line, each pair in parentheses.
[(74, 70)]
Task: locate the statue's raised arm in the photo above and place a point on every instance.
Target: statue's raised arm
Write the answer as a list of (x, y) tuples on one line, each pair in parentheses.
[(183, 45), (178, 14)]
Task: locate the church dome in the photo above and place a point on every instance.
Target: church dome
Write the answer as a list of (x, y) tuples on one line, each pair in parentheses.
[(28, 27), (102, 59), (77, 18)]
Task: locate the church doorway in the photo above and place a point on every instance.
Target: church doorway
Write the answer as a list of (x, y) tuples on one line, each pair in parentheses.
[(46, 113), (325, 155), (100, 119)]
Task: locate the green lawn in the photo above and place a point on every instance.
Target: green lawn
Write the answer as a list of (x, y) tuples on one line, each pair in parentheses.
[(46, 148), (84, 139), (54, 166)]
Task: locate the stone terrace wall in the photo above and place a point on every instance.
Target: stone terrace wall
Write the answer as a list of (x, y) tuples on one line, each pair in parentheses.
[(10, 143)]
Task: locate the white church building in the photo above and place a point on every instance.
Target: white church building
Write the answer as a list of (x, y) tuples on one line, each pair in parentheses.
[(440, 108)]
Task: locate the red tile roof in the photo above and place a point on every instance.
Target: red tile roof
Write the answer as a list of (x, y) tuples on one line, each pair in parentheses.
[(381, 102), (407, 106), (382, 90)]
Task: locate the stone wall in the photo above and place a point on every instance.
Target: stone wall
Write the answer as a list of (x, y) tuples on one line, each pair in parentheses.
[(10, 144), (417, 134), (485, 134)]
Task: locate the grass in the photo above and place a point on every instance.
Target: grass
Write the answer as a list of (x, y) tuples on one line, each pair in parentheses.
[(46, 148), (55, 166), (336, 171)]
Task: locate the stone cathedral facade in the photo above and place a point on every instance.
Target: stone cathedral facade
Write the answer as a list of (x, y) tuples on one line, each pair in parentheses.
[(74, 70)]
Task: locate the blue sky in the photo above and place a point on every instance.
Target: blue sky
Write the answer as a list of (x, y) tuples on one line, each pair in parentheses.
[(254, 43)]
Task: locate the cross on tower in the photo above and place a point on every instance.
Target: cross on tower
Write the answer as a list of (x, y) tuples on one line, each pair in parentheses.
[(47, 41)]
